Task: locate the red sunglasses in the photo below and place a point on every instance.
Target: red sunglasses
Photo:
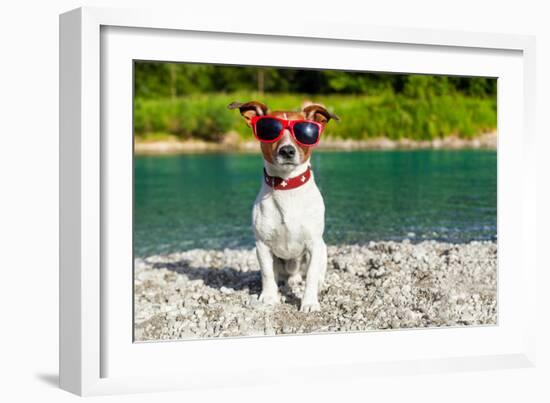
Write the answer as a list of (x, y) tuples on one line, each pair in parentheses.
[(269, 129)]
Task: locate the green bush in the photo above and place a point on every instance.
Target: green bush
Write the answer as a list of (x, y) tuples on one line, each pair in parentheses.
[(162, 79), (424, 111)]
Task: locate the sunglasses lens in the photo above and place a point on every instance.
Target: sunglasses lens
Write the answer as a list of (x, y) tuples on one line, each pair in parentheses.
[(306, 133), (268, 129)]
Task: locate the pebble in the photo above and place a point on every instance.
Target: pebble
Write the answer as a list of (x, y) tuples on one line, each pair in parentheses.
[(204, 293)]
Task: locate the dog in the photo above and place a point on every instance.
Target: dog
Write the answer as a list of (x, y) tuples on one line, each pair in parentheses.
[(288, 215)]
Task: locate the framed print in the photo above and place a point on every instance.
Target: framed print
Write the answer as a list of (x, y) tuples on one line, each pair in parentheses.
[(205, 276), (227, 213)]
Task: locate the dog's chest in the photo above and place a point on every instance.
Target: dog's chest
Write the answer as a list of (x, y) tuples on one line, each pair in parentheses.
[(287, 220)]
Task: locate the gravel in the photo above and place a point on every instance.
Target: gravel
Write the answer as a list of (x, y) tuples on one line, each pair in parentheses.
[(383, 285)]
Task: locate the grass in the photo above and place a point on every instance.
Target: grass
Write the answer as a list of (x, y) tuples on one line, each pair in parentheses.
[(206, 116)]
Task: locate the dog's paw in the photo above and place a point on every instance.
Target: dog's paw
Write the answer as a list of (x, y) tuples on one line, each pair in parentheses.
[(269, 298), (312, 306)]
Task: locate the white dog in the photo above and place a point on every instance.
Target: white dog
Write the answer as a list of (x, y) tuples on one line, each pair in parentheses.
[(289, 214)]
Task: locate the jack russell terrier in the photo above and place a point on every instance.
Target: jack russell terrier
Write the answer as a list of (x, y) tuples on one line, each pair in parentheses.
[(289, 214)]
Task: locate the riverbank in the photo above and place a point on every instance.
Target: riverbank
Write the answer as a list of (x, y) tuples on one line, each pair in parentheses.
[(382, 285), (233, 143)]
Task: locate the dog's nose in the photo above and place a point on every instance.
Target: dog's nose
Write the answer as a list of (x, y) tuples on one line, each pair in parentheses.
[(287, 151)]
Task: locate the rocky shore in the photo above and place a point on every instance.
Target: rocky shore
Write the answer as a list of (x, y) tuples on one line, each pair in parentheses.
[(382, 285), (232, 142)]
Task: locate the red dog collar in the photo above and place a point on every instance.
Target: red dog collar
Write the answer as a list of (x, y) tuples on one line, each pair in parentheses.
[(286, 184)]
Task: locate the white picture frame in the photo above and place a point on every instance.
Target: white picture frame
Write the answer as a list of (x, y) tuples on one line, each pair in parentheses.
[(97, 356)]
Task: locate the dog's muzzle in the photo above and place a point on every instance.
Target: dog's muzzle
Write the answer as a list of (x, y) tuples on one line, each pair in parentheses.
[(287, 152)]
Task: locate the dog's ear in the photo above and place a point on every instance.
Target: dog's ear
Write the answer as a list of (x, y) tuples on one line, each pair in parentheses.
[(318, 113), (249, 109)]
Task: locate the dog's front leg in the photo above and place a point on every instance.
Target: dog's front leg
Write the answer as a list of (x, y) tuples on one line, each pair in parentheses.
[(269, 295), (314, 277)]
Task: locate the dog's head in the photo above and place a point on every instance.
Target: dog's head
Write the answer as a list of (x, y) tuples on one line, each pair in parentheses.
[(286, 152)]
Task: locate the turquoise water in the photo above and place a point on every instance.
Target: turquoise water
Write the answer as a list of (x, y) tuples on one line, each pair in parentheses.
[(204, 201)]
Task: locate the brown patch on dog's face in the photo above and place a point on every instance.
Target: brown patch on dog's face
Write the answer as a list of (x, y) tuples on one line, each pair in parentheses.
[(310, 111), (269, 150)]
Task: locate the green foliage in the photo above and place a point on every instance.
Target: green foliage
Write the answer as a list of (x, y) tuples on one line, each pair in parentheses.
[(423, 117), (420, 86), (190, 100), (194, 116), (159, 80)]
